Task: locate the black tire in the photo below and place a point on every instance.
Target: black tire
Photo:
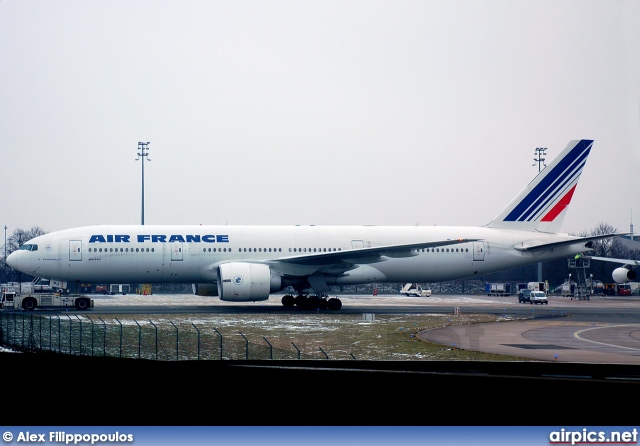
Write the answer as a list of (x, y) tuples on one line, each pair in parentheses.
[(29, 304), (334, 303), (302, 302), (288, 300), (82, 304)]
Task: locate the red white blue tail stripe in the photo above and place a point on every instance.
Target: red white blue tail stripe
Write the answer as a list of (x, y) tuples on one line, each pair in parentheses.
[(544, 201)]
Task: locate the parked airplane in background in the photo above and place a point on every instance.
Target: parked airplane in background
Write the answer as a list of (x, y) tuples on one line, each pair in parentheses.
[(247, 263), (623, 274)]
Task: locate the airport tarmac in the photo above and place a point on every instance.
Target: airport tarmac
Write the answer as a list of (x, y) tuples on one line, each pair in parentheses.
[(603, 329), (596, 344)]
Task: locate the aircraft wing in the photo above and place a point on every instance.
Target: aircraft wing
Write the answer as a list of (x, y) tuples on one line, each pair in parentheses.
[(367, 255), (608, 259), (545, 246)]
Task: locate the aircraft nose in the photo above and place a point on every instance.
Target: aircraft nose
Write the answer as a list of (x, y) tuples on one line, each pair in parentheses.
[(12, 260)]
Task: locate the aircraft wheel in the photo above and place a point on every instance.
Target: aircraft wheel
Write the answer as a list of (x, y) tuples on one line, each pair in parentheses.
[(315, 303), (29, 304), (302, 302), (288, 300), (334, 303)]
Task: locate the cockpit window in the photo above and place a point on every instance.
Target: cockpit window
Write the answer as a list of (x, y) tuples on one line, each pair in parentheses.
[(29, 247)]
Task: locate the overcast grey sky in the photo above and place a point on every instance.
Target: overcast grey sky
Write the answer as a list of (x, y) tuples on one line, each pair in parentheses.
[(330, 113)]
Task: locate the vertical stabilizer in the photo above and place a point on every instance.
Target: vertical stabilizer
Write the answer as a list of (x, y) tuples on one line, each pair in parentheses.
[(542, 205)]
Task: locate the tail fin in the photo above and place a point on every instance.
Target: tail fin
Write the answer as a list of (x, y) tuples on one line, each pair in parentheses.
[(542, 205)]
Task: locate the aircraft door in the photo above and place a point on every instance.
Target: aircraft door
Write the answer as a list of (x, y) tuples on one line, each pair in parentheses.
[(75, 250), (478, 251), (176, 251), (357, 244)]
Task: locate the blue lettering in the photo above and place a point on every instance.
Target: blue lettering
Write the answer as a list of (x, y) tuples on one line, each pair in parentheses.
[(159, 238)]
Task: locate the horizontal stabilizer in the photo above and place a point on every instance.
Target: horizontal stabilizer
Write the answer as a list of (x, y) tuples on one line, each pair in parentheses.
[(524, 246), (622, 261)]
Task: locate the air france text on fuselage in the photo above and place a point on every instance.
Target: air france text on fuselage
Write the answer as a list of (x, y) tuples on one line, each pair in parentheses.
[(159, 238)]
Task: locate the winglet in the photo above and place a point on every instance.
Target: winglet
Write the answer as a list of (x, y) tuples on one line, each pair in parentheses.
[(543, 203)]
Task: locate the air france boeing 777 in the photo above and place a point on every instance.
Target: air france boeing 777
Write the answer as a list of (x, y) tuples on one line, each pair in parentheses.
[(247, 263)]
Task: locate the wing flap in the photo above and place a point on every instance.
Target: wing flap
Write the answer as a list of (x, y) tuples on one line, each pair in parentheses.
[(368, 255)]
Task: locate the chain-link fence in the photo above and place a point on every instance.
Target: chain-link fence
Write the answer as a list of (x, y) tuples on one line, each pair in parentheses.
[(164, 341)]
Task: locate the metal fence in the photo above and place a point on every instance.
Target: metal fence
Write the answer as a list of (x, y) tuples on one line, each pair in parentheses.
[(170, 341)]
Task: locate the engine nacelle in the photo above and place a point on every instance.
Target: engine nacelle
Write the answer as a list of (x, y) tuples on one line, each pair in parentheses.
[(241, 282), (204, 289), (622, 275)]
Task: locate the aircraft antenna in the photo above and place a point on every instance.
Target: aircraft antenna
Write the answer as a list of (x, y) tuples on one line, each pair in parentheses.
[(142, 146)]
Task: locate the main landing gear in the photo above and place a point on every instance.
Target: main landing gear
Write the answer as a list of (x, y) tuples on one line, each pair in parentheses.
[(306, 302)]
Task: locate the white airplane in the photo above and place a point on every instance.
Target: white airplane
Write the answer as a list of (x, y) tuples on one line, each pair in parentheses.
[(247, 263), (623, 274)]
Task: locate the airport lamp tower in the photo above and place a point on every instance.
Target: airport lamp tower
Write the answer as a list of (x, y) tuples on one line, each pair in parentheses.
[(539, 153), (142, 146)]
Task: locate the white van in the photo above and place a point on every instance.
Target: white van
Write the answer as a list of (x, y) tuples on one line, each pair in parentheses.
[(538, 297)]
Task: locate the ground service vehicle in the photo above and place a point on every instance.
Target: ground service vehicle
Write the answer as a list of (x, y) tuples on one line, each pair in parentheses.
[(539, 286), (413, 289), (120, 288), (498, 289), (524, 295), (624, 289), (30, 302), (538, 297), (8, 294)]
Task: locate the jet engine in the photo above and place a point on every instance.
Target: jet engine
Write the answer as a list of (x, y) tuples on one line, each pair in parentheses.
[(241, 282), (622, 274), (204, 289)]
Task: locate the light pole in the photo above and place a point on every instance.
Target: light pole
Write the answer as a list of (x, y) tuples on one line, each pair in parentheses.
[(540, 160), (142, 146), (5, 243)]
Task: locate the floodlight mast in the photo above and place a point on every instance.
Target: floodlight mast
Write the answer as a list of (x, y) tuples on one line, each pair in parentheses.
[(539, 153), (142, 146)]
